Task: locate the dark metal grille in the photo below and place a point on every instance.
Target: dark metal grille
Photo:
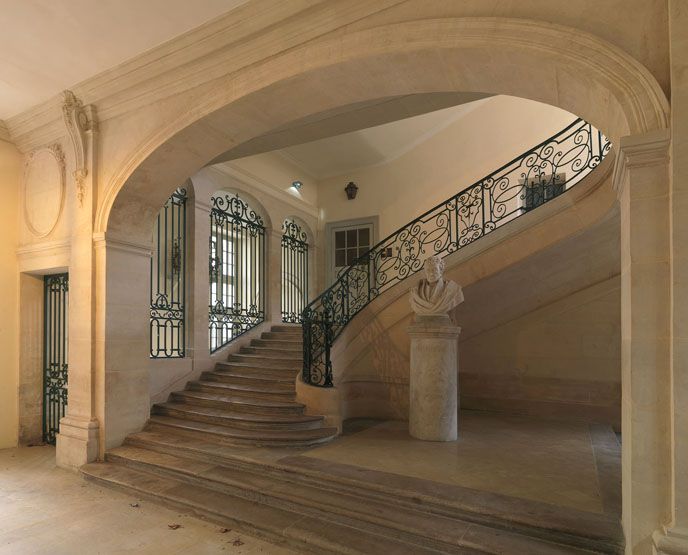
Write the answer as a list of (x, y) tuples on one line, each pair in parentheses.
[(237, 269), (294, 271), (517, 187), (167, 280), (55, 356)]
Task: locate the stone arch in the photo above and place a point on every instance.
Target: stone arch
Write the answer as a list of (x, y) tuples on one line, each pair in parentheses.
[(559, 65)]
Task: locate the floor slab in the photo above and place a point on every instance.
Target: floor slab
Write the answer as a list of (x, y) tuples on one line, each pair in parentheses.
[(45, 510), (539, 460)]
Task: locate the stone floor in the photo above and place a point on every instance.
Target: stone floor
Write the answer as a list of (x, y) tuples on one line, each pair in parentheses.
[(47, 510), (567, 465)]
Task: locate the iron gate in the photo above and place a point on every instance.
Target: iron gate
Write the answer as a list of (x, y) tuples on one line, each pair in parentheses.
[(55, 356)]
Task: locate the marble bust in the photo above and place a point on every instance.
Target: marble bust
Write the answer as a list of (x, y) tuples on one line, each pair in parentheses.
[(433, 295)]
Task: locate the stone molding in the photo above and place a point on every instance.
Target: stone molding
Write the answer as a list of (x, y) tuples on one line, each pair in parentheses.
[(108, 241), (4, 132), (251, 181), (671, 541), (79, 120), (638, 93), (637, 151), (55, 150)]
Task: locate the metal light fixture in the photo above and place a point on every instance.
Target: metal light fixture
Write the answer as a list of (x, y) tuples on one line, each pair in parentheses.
[(296, 184), (351, 190)]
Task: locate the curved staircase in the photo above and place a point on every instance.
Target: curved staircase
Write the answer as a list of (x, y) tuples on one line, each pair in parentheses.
[(247, 400)]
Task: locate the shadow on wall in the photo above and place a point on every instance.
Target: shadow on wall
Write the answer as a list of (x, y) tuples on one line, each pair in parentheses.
[(383, 390)]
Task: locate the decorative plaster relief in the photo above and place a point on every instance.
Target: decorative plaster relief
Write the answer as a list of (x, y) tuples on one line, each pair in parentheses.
[(44, 189), (79, 120)]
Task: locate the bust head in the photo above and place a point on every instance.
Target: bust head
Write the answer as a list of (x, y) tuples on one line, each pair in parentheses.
[(434, 268)]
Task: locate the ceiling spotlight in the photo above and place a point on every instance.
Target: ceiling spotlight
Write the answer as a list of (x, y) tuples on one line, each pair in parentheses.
[(296, 184)]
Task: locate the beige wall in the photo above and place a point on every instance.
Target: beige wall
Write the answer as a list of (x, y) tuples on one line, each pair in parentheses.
[(561, 360), (10, 164), (494, 132)]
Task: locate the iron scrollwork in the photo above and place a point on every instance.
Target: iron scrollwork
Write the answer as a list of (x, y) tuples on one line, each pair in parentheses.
[(294, 294), (532, 179)]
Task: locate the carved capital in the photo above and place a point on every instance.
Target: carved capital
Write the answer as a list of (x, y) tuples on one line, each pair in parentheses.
[(80, 121), (637, 151)]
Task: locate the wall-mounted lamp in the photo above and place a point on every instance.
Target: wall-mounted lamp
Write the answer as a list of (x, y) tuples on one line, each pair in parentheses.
[(351, 190), (297, 185)]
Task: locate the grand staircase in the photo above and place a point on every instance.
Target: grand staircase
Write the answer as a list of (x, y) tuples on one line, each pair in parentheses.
[(248, 400)]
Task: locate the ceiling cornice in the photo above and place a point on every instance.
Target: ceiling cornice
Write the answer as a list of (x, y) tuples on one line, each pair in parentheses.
[(4, 132)]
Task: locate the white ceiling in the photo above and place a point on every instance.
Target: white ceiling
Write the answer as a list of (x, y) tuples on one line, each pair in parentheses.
[(47, 46), (373, 146)]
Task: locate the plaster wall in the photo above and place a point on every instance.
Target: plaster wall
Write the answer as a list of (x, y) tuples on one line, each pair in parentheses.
[(10, 175), (561, 360), (484, 138)]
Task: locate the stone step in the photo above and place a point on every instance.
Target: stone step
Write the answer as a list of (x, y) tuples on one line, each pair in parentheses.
[(287, 328), (277, 525), (266, 362), (255, 373), (258, 389), (596, 533), (287, 337), (238, 419), (411, 525), (268, 438), (295, 346), (263, 370), (276, 353), (203, 394), (258, 381)]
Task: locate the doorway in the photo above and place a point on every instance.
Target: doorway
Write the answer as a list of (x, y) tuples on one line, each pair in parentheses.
[(346, 241), (55, 355)]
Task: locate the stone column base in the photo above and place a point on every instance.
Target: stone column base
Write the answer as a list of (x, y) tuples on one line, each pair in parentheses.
[(77, 442), (670, 541), (433, 403)]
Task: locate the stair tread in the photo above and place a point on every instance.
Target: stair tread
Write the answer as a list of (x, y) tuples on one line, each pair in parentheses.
[(257, 388), (258, 484), (291, 371), (251, 516), (595, 527), (241, 433), (244, 416), (241, 400), (287, 377)]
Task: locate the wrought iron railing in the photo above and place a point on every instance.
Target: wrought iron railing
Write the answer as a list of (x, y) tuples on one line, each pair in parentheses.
[(294, 294), (168, 280), (237, 269), (528, 181)]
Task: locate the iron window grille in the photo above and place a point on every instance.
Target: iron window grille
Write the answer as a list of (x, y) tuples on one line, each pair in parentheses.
[(236, 270), (294, 294), (168, 280)]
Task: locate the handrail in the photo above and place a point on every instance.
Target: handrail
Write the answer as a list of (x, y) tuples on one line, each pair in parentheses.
[(528, 181)]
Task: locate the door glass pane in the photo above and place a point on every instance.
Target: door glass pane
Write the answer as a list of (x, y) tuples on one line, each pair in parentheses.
[(351, 238), (351, 255), (339, 240), (364, 237), (340, 257)]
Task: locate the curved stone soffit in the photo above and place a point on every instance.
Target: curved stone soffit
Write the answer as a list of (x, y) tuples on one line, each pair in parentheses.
[(639, 95)]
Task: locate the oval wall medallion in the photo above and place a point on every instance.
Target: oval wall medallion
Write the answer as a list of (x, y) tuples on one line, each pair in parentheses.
[(44, 189)]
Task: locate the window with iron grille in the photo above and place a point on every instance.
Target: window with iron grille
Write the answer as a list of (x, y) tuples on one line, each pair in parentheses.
[(167, 282), (236, 269)]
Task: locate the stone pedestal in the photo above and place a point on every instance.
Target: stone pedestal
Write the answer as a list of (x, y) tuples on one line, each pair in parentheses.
[(433, 406)]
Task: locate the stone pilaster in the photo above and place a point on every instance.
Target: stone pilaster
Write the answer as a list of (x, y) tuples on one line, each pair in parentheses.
[(642, 182)]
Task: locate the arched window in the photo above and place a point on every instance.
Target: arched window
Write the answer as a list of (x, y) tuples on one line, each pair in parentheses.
[(294, 271), (237, 269), (167, 283)]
